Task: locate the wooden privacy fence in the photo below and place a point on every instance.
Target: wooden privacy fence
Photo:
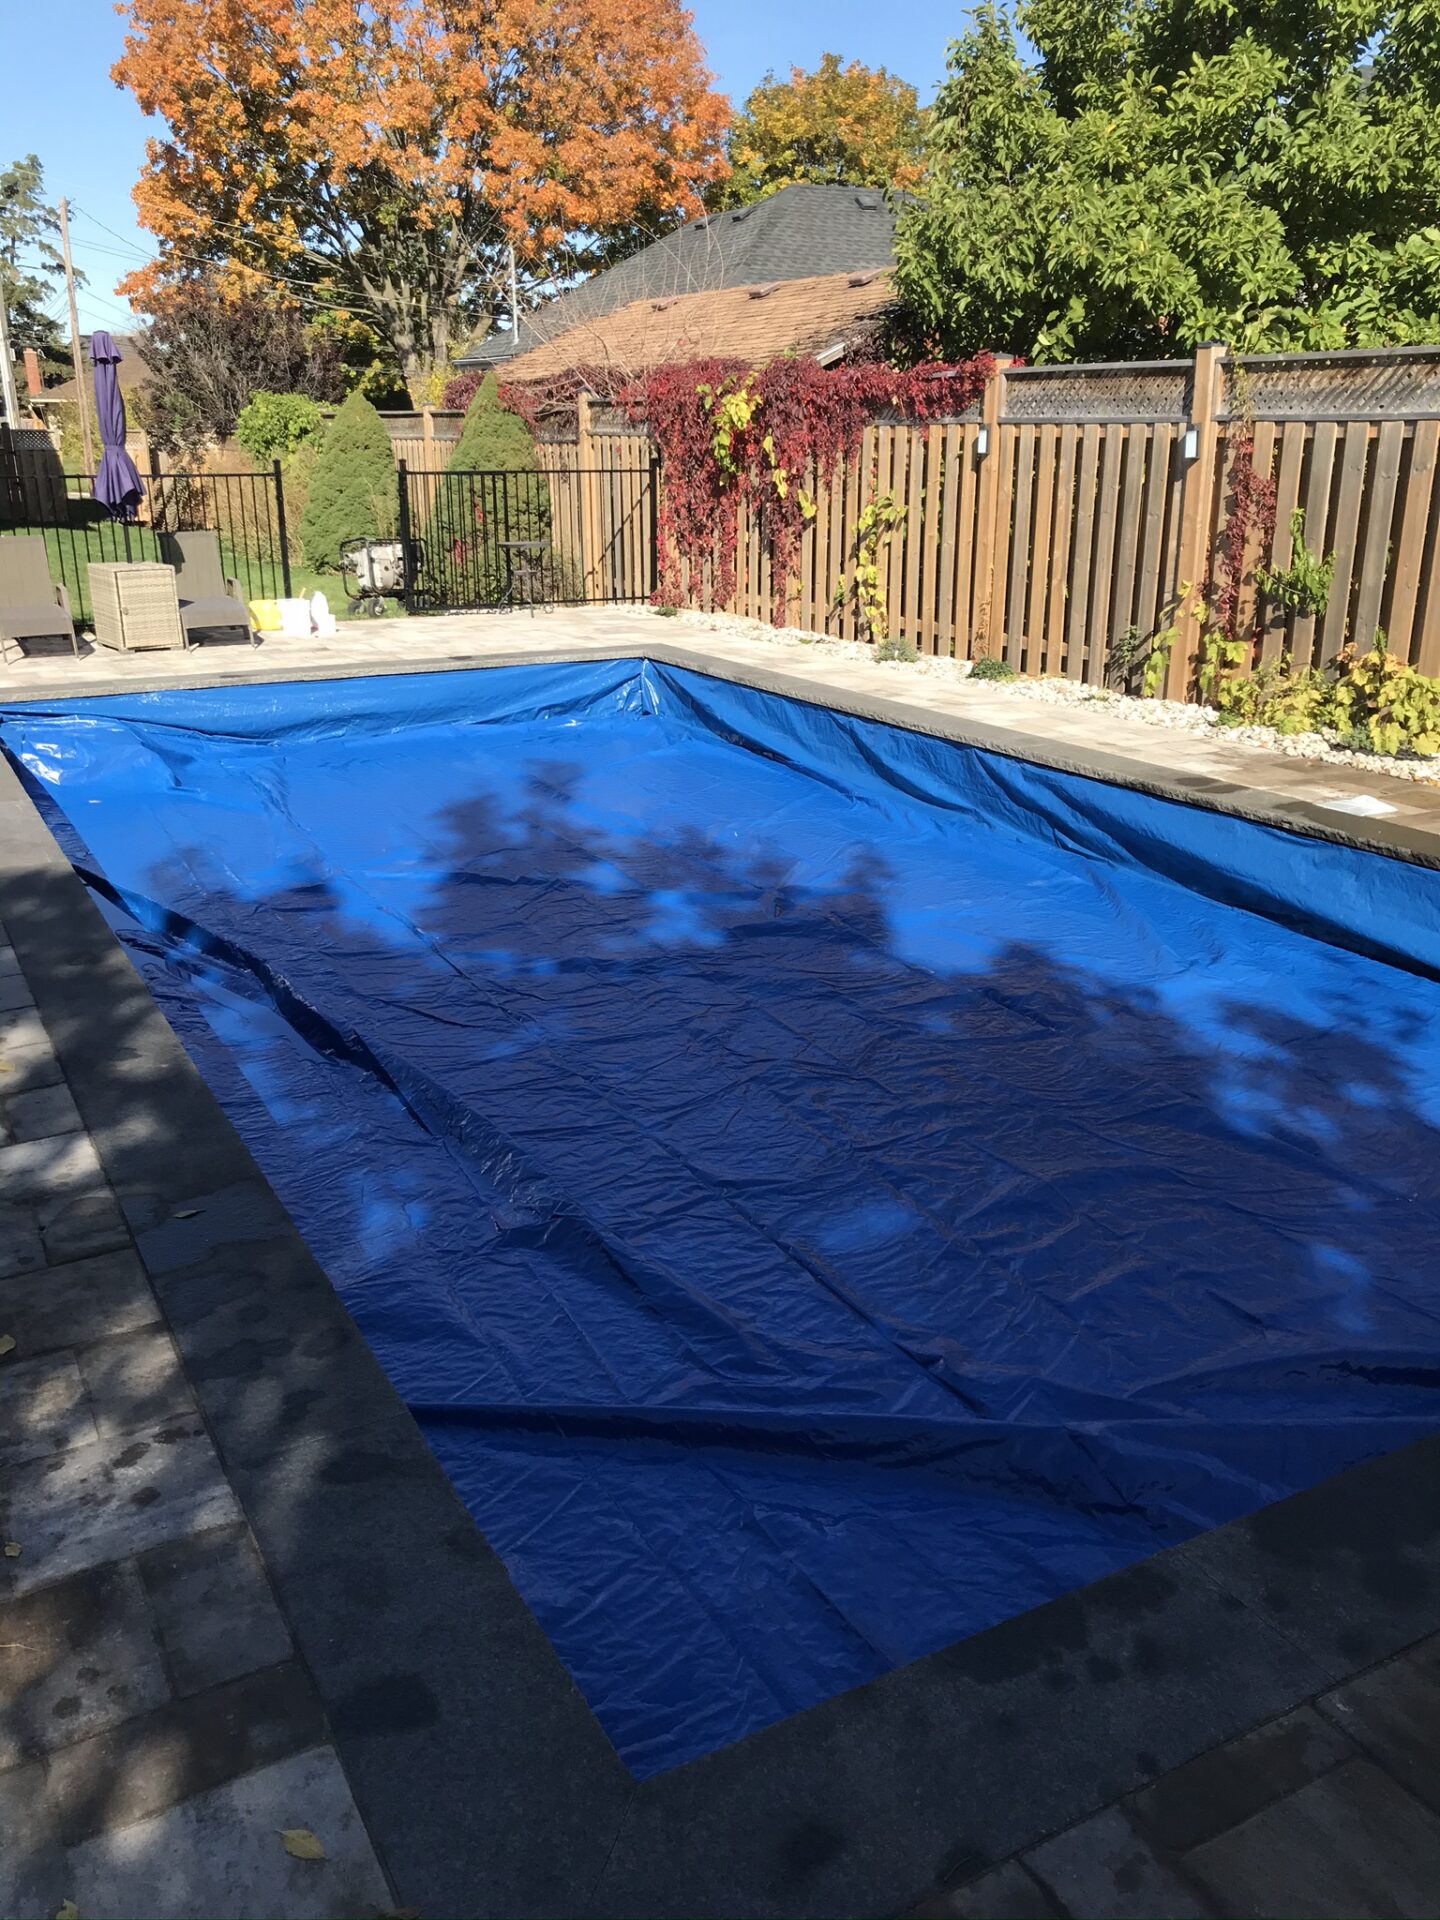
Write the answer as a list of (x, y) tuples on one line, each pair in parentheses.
[(1068, 509)]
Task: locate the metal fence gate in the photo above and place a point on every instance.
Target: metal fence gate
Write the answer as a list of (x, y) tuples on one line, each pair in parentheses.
[(563, 536)]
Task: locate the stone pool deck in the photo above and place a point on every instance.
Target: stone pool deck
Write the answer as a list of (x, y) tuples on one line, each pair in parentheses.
[(245, 1600)]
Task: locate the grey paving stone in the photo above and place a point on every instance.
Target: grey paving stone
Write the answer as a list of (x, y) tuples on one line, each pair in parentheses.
[(1005, 1893), (41, 1113), (43, 1408), (32, 1169), (115, 1497), (22, 1028), (73, 1226), (214, 1609), (1225, 1786), (156, 1760), (437, 1676), (1103, 1866), (74, 1304), (35, 1064), (32, 1862), (21, 1246), (1394, 1712), (1350, 1569), (75, 1658), (1351, 1846), (134, 1380), (220, 1853), (14, 993)]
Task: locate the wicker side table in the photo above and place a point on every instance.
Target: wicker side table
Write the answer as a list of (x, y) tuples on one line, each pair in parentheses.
[(136, 604)]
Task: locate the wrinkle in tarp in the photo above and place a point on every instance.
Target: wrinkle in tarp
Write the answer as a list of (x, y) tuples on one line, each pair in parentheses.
[(821, 1190)]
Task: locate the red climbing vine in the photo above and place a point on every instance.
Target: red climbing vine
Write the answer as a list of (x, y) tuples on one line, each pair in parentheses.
[(1252, 513), (769, 436)]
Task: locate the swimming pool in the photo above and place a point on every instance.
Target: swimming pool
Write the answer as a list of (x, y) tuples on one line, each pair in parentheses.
[(822, 1190)]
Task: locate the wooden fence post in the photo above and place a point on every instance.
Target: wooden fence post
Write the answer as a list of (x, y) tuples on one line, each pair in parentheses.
[(427, 436), (585, 465), (987, 510), (1197, 511)]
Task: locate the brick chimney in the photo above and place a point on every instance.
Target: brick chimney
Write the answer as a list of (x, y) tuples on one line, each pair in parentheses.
[(33, 383)]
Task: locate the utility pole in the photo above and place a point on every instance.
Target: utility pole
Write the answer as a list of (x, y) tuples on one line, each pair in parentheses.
[(514, 297), (76, 358), (7, 365)]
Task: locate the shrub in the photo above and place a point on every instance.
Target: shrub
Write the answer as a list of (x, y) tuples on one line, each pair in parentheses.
[(992, 670), (494, 440), (898, 648), (352, 488), (275, 424), (296, 474), (1379, 698)]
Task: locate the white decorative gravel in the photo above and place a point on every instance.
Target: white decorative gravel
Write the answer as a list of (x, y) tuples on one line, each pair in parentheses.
[(1182, 714)]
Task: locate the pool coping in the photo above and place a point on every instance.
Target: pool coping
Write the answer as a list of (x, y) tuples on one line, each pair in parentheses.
[(482, 1776)]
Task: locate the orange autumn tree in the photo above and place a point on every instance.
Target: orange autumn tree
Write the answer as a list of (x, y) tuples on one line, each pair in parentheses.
[(850, 126), (381, 155)]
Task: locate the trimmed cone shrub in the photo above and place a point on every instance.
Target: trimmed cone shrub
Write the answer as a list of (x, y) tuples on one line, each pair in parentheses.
[(480, 514), (492, 439), (352, 489)]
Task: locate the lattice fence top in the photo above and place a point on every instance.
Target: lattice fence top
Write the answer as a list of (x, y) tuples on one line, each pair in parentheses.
[(1403, 382), (1144, 390)]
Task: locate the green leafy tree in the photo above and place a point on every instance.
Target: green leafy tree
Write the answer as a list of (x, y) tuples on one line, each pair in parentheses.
[(352, 492), (1174, 171), (272, 425), (851, 125), (31, 268)]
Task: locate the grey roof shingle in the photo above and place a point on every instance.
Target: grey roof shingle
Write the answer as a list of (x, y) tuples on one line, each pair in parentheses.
[(797, 233)]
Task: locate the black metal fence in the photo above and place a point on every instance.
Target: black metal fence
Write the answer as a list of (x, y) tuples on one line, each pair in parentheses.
[(559, 537), (245, 510)]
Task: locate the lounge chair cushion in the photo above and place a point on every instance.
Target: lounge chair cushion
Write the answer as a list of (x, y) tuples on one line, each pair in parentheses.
[(221, 612), (35, 622)]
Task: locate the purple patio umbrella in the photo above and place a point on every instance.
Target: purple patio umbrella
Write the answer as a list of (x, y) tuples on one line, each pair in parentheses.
[(117, 484)]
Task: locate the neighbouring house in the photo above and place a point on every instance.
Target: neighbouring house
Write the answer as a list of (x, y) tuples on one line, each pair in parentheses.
[(804, 271)]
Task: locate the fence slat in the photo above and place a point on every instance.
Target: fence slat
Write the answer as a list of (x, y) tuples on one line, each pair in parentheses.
[(1148, 586), (1083, 552), (1041, 547), (1318, 533), (1020, 543), (1379, 511), (929, 552), (1411, 546), (1353, 460), (1106, 514), (1062, 521), (945, 621), (1287, 499), (1125, 583)]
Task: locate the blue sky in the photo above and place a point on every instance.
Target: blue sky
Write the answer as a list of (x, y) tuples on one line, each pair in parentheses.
[(60, 102)]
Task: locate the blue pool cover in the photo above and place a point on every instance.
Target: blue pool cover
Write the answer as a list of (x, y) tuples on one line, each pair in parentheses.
[(822, 1190)]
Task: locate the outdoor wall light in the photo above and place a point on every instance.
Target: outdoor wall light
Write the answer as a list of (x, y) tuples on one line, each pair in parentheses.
[(1192, 442), (982, 443)]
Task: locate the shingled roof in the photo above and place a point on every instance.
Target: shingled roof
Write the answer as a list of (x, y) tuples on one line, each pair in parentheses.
[(829, 313), (799, 233)]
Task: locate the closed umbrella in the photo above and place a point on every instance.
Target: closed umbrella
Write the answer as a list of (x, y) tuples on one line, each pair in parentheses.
[(117, 484)]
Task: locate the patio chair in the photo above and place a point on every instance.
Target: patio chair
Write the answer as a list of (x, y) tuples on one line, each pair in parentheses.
[(207, 597), (32, 606)]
